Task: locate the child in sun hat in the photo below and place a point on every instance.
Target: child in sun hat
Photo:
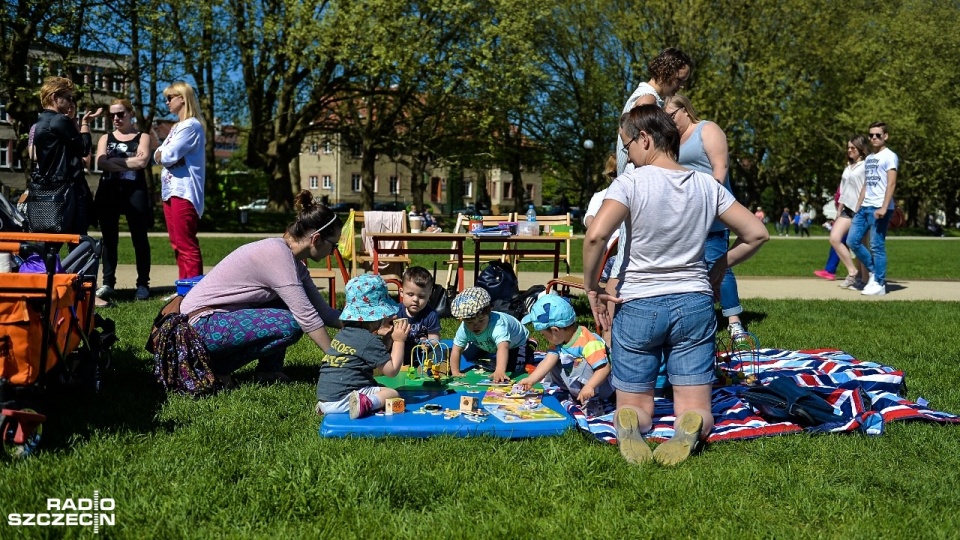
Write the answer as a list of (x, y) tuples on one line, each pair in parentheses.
[(370, 339), (578, 361), (495, 341)]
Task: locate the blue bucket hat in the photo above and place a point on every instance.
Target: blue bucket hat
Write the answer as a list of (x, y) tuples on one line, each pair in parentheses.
[(368, 300), (550, 310)]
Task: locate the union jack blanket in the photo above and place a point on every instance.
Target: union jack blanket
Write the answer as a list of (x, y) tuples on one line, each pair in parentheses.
[(865, 394)]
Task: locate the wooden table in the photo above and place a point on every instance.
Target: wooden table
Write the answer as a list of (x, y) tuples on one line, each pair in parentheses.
[(517, 245), (454, 249)]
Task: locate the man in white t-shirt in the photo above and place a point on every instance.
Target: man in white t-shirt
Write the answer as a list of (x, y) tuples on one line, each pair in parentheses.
[(876, 208)]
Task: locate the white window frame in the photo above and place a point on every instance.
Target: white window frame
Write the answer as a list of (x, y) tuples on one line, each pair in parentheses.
[(314, 182), (327, 147), (313, 148), (356, 183), (5, 153), (116, 82), (468, 189), (4, 117), (376, 184), (327, 182), (394, 185), (356, 151)]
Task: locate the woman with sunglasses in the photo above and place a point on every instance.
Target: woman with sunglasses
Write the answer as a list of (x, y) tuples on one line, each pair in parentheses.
[(182, 179), (260, 298), (122, 156), (703, 148), (58, 151), (664, 305)]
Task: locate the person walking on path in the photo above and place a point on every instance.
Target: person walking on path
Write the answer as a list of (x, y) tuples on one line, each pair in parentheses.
[(183, 177), (848, 195), (122, 155), (875, 209), (783, 226)]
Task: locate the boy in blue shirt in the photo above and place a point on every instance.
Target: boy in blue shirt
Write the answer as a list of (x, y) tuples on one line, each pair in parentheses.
[(417, 285), (495, 341)]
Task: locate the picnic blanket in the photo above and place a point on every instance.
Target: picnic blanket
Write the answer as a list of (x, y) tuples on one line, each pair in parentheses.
[(870, 394)]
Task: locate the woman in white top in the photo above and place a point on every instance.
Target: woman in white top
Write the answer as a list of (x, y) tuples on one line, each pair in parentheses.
[(664, 305), (850, 185), (182, 179)]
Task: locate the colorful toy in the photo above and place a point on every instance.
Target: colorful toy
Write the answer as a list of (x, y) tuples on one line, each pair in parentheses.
[(468, 404), (738, 359), (429, 360)]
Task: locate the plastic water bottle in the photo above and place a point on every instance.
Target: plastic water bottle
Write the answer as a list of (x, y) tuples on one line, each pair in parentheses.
[(531, 213)]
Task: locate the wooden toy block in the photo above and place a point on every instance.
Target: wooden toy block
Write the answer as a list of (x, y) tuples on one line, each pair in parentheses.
[(394, 406), (468, 404)]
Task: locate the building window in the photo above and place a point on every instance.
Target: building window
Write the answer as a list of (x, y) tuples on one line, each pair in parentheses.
[(97, 78), (116, 83), (530, 192), (468, 189), (327, 147), (356, 151), (327, 184), (98, 124), (313, 148), (3, 110), (376, 184), (355, 183), (507, 190), (394, 185), (4, 153), (314, 182)]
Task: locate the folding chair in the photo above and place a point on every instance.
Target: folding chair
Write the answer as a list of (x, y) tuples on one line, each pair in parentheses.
[(382, 222), (330, 274), (567, 282), (546, 222), (463, 226)]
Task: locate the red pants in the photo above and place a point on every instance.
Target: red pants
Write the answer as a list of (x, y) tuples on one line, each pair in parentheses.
[(182, 221)]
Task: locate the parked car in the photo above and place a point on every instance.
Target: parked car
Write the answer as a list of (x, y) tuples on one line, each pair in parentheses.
[(390, 207), (471, 210), (344, 207), (259, 205)]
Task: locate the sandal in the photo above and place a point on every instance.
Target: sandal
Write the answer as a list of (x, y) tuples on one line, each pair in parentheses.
[(685, 440), (633, 447)]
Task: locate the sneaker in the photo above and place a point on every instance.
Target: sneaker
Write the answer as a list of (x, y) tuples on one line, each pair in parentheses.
[(874, 289), (632, 445), (318, 409), (143, 292), (106, 291), (736, 328), (360, 405), (849, 282), (871, 281), (825, 275), (859, 285), (684, 443)]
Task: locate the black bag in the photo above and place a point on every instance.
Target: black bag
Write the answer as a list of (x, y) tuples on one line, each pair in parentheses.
[(441, 297), (50, 207), (522, 302), (499, 279), (783, 401)]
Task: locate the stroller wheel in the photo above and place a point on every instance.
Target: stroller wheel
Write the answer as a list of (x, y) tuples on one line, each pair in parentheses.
[(19, 439)]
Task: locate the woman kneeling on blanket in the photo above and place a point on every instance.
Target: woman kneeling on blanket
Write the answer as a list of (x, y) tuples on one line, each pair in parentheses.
[(665, 296), (260, 299)]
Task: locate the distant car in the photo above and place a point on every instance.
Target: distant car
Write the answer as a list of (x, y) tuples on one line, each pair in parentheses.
[(390, 207), (344, 207), (471, 210), (259, 205)]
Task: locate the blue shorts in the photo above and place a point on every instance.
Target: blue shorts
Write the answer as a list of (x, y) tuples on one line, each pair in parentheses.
[(680, 328)]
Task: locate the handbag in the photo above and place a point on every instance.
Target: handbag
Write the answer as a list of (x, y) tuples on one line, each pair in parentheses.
[(52, 199), (499, 279), (897, 218), (441, 297)]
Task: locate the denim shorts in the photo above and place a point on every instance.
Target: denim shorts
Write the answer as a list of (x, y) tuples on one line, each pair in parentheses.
[(678, 328)]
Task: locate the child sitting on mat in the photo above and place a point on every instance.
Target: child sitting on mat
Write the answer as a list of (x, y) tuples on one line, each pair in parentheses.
[(415, 307), (495, 341), (346, 382), (578, 361)]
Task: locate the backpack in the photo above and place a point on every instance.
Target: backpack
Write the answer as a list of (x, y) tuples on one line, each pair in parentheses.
[(499, 279)]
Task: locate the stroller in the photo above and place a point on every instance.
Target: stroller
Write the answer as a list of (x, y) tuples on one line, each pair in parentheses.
[(50, 335)]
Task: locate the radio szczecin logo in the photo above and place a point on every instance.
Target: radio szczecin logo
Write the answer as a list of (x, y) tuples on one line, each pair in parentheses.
[(81, 512)]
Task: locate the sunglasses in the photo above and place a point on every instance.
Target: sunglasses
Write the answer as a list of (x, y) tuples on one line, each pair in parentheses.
[(673, 115), (876, 135), (71, 98), (171, 96), (119, 115)]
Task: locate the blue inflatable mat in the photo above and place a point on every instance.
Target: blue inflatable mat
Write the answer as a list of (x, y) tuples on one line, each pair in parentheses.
[(410, 424)]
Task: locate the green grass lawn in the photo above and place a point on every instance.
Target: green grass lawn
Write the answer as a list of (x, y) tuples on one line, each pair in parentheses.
[(249, 463), (908, 258)]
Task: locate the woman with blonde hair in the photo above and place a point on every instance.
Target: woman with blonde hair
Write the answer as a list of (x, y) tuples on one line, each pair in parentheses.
[(122, 155), (183, 176), (59, 196), (852, 180)]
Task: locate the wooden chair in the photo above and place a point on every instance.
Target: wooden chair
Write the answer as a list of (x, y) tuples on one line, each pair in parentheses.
[(463, 226), (361, 255), (330, 274), (567, 282), (545, 223)]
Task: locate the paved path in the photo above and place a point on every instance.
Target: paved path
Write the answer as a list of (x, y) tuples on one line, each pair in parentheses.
[(164, 276)]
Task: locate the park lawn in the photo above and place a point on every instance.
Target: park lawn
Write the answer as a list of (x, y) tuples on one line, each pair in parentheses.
[(907, 258), (249, 463)]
